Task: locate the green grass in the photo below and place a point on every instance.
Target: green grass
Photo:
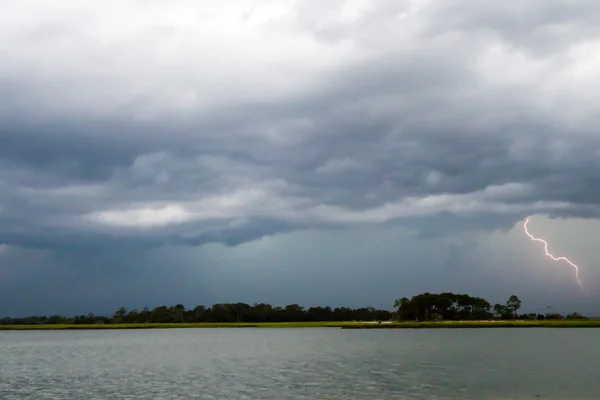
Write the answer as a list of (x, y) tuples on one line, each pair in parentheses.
[(183, 325), (592, 323)]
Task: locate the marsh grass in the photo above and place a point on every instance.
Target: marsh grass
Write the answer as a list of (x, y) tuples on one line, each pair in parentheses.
[(591, 323), (180, 325)]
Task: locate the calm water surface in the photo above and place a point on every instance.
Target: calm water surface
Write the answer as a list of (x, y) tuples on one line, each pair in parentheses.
[(301, 364)]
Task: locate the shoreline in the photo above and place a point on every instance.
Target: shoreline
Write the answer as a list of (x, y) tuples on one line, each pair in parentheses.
[(483, 324), (593, 323)]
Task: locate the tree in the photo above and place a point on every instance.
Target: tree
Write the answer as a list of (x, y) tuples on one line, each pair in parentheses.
[(575, 315), (132, 316), (199, 313), (401, 302), (145, 315), (513, 304), (553, 316), (481, 308), (161, 315), (294, 312), (240, 310), (425, 306), (446, 306), (406, 309), (178, 312), (499, 310), (120, 314)]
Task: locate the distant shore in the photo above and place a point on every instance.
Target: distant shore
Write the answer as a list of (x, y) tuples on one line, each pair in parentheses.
[(591, 323)]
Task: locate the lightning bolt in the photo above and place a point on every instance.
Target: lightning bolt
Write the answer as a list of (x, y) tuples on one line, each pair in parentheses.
[(565, 259)]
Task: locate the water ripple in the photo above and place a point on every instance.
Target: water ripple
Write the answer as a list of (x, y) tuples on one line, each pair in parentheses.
[(300, 364)]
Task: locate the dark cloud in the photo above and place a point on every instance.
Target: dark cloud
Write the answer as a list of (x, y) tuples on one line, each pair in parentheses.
[(125, 127)]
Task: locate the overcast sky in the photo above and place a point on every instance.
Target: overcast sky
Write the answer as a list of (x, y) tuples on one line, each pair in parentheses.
[(312, 152)]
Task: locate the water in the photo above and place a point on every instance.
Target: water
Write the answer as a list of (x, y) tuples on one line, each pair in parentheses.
[(301, 364)]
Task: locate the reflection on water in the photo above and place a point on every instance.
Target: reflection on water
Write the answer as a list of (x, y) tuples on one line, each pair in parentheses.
[(301, 364)]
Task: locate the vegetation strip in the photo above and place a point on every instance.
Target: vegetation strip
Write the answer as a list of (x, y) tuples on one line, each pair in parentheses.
[(590, 323), (180, 325), (458, 310)]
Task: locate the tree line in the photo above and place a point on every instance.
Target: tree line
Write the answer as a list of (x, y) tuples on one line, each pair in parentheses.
[(225, 312), (451, 306), (422, 307)]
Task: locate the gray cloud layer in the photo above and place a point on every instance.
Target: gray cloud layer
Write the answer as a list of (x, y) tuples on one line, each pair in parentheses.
[(240, 121), (140, 124)]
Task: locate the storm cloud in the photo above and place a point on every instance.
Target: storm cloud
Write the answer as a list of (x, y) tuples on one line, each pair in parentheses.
[(130, 125)]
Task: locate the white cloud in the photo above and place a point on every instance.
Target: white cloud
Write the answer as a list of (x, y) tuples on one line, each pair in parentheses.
[(260, 203), (154, 61), (142, 217), (489, 200)]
